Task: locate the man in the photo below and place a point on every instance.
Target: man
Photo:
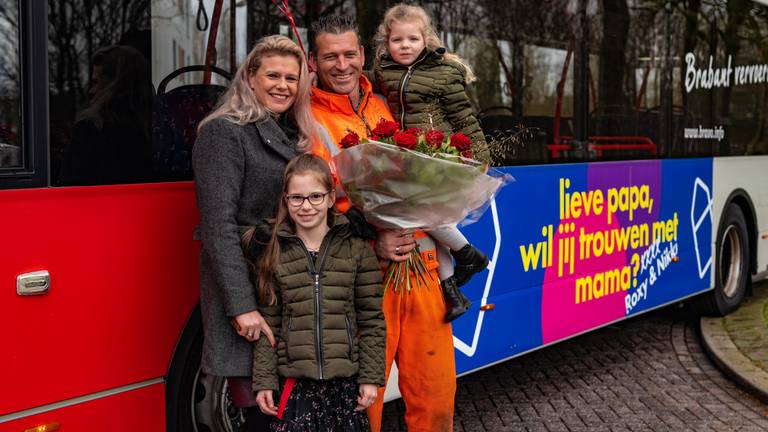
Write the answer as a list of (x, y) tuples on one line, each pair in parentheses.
[(417, 336), (343, 100)]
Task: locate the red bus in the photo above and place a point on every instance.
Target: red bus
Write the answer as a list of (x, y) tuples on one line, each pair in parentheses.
[(99, 260)]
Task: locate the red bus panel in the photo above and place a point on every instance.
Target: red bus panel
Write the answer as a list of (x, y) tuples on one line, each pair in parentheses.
[(124, 279)]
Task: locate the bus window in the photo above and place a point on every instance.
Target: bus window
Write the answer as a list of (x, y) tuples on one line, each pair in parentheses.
[(626, 81), (127, 87), (728, 117), (10, 86), (100, 92), (682, 81), (181, 44), (523, 59)]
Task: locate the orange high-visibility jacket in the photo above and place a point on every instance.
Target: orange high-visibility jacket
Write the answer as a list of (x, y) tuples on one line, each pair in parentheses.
[(335, 113)]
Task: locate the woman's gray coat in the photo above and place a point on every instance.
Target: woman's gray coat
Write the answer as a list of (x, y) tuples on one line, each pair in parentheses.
[(239, 179)]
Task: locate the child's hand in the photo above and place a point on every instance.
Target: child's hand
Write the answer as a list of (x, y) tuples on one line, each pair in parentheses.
[(264, 400), (367, 396)]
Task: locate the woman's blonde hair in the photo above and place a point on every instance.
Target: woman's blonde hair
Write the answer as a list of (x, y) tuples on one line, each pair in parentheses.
[(407, 13), (240, 105)]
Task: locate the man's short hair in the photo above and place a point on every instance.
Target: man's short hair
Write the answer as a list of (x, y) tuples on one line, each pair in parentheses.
[(333, 24)]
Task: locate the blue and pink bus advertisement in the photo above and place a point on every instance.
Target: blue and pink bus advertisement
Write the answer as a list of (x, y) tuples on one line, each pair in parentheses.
[(575, 247)]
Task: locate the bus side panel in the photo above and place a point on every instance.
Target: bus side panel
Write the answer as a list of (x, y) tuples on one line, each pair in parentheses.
[(749, 174), (137, 410), (578, 251), (124, 278)]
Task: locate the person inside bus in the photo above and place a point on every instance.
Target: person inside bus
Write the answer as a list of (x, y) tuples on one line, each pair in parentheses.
[(332, 368), (262, 121), (417, 334), (111, 138)]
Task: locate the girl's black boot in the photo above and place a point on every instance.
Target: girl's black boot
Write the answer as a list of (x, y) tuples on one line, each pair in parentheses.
[(457, 303), (469, 260)]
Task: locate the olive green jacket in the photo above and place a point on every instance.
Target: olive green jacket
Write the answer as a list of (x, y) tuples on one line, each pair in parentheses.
[(428, 94), (328, 320)]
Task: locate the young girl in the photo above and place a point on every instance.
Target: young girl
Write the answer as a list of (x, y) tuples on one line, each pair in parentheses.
[(425, 89), (319, 288)]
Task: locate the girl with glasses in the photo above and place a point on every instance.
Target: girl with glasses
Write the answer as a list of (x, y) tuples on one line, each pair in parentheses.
[(319, 288)]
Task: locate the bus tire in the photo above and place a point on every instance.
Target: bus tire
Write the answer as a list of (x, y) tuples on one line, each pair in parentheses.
[(197, 402), (731, 264)]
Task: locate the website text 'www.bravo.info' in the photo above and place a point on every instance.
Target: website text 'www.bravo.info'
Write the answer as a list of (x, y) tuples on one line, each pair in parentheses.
[(716, 132)]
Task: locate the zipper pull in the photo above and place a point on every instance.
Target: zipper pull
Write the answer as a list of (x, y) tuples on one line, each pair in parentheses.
[(316, 276)]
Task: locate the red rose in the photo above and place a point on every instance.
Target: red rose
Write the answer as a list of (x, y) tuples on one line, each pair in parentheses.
[(406, 140), (461, 142), (385, 129), (415, 132), (350, 140), (434, 138), (467, 154)]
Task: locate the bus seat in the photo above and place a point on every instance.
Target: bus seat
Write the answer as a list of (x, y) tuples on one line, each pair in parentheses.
[(176, 114)]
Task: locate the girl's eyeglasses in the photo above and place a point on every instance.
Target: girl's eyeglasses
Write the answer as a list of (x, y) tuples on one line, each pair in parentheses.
[(315, 198)]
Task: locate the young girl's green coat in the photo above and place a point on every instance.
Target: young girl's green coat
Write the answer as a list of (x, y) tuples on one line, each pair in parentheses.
[(428, 94), (328, 320)]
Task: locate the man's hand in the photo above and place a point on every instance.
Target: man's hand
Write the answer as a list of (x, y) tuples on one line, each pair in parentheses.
[(250, 325), (366, 396), (394, 245), (265, 402)]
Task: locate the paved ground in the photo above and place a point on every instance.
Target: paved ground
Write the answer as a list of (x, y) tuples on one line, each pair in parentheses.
[(646, 374)]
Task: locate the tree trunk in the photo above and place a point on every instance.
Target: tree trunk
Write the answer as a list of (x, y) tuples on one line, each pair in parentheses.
[(612, 99), (369, 14), (737, 12), (690, 38)]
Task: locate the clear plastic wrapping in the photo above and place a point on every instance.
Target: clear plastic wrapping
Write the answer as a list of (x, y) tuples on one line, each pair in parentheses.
[(399, 188)]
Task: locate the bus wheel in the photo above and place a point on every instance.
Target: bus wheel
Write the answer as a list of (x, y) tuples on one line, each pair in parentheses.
[(731, 264), (198, 402), (213, 407)]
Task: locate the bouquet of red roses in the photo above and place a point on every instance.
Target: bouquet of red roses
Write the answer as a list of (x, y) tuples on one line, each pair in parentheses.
[(414, 179)]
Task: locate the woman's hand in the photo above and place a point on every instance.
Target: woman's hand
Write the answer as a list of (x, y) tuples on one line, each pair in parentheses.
[(264, 400), (394, 245), (367, 396), (251, 324)]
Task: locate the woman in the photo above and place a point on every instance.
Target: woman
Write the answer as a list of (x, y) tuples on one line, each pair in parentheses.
[(263, 121)]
